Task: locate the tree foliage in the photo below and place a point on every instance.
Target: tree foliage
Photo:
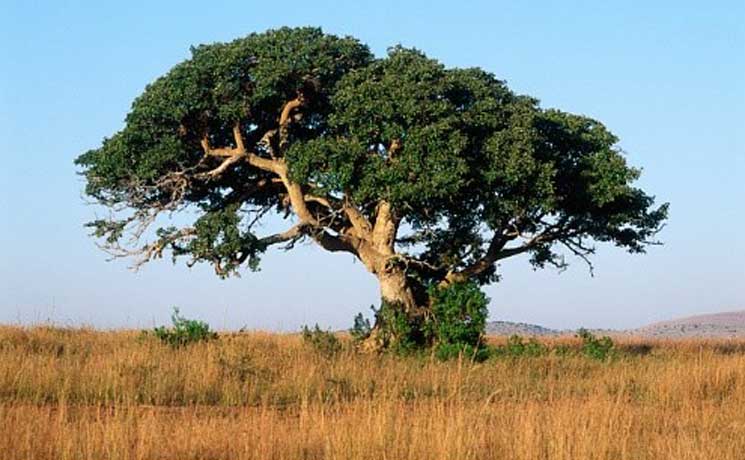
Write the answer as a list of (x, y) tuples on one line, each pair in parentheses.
[(427, 174)]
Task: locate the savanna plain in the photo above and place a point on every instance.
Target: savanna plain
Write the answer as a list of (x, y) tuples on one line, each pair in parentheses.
[(87, 394)]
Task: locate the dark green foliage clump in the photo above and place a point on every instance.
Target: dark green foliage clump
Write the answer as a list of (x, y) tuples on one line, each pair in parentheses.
[(458, 320), (459, 313), (401, 333), (323, 342), (593, 347), (184, 331), (454, 324), (518, 347)]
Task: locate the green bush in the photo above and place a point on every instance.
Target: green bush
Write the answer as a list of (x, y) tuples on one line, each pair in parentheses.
[(458, 320), (596, 348), (516, 346), (323, 342), (184, 331), (399, 333), (453, 326)]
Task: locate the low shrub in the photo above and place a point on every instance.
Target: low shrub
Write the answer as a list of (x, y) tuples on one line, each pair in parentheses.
[(459, 314), (458, 321), (597, 348), (184, 331), (399, 333), (453, 326), (517, 347)]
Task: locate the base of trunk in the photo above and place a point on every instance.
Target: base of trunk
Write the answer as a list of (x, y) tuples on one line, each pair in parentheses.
[(374, 342), (453, 317), (397, 327), (399, 323)]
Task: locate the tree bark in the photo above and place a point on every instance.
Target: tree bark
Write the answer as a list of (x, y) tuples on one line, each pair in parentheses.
[(396, 289), (400, 296)]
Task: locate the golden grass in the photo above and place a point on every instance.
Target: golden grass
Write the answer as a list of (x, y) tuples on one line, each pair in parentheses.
[(83, 394)]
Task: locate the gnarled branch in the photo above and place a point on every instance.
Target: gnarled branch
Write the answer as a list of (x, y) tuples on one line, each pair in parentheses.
[(385, 228), (294, 233)]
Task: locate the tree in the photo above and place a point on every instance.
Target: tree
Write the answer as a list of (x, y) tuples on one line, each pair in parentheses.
[(428, 175)]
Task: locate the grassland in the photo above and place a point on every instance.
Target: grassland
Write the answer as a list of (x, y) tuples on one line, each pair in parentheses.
[(84, 394)]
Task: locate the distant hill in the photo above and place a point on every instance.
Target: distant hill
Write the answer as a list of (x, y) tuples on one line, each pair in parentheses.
[(510, 328), (716, 325), (726, 324)]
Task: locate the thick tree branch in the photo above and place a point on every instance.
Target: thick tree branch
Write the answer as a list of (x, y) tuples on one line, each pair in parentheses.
[(297, 198), (236, 154), (218, 171), (333, 243), (492, 254), (292, 234), (266, 142), (285, 119), (385, 228), (497, 251), (359, 222), (323, 201)]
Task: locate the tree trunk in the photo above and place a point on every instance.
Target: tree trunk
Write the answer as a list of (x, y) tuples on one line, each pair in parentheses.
[(400, 297), (396, 289)]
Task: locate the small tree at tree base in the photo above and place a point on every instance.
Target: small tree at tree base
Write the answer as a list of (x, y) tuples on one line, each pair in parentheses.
[(426, 174)]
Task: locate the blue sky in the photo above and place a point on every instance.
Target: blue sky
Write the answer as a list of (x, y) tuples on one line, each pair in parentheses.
[(667, 77)]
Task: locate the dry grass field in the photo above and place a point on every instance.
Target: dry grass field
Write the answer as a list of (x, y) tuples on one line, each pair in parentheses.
[(85, 394)]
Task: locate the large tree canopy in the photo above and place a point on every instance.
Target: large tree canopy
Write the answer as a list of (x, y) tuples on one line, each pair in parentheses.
[(427, 174)]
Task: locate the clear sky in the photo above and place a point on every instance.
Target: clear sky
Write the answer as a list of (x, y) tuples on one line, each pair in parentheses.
[(668, 77)]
